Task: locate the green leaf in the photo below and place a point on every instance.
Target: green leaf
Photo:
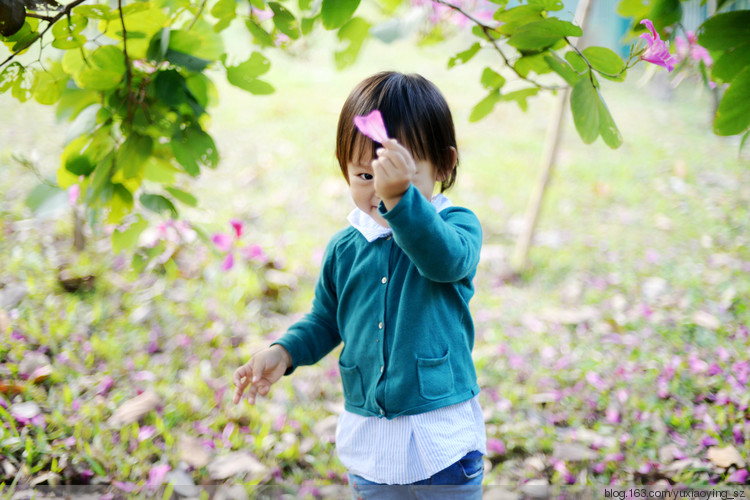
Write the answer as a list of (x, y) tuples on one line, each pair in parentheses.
[(98, 11), (634, 8), (733, 114), (184, 197), (548, 5), (127, 239), (541, 34), (665, 13), (533, 62), (725, 31), (583, 105), (193, 148), (562, 68), (352, 35), (336, 13), (245, 75), (160, 170), (105, 70), (491, 80), (133, 153), (157, 203), (744, 140), (307, 25), (284, 20), (520, 97), (81, 156), (731, 63), (604, 60), (99, 178), (517, 17), (9, 76), (170, 87), (199, 42), (577, 62), (224, 11), (485, 106), (49, 85), (465, 56), (607, 127), (73, 101), (201, 88), (120, 204), (255, 66), (260, 36), (591, 115)]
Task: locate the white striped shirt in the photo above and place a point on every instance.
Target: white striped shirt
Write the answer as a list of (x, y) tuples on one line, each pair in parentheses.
[(409, 448)]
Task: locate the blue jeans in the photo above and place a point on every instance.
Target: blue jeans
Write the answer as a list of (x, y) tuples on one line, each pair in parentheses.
[(461, 480)]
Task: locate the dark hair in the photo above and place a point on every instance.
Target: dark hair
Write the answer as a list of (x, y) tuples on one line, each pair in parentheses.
[(415, 113)]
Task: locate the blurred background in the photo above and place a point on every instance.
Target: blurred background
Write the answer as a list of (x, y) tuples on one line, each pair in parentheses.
[(619, 356)]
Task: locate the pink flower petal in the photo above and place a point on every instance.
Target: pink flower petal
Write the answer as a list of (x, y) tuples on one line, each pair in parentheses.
[(372, 126), (495, 446), (657, 51), (126, 487), (73, 192), (254, 252), (238, 227), (738, 476), (157, 475), (146, 432), (222, 241), (228, 262)]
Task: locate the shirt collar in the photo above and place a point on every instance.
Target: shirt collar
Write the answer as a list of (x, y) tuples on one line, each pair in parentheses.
[(371, 230)]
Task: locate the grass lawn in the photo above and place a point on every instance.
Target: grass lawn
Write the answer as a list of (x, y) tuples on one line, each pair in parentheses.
[(618, 358)]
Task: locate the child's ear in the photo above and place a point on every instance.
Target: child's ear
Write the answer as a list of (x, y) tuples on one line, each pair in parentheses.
[(443, 176)]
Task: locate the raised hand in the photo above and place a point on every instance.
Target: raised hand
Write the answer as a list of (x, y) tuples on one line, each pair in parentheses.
[(263, 369), (394, 170)]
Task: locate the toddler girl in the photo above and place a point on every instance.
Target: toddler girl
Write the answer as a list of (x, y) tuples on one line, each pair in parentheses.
[(395, 287)]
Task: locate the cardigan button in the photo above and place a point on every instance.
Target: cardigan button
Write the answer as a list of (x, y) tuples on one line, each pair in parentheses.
[(384, 280), (381, 368), (380, 325)]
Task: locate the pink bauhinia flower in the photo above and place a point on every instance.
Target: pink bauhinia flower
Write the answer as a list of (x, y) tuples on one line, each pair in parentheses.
[(691, 48), (657, 51), (372, 126), (226, 243)]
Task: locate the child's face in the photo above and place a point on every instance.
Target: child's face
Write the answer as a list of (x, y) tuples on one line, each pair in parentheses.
[(362, 187)]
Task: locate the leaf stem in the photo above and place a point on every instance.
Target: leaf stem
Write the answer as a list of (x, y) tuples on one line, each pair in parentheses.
[(487, 30)]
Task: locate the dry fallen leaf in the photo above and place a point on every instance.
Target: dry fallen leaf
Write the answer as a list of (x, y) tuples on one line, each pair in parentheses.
[(135, 408), (725, 457), (193, 452), (238, 462), (573, 452), (706, 320)]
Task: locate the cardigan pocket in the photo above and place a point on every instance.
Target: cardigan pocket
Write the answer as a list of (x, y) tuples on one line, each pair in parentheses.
[(435, 377), (351, 379)]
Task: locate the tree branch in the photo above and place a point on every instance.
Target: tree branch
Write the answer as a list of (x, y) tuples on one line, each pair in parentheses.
[(488, 34), (39, 16), (52, 21)]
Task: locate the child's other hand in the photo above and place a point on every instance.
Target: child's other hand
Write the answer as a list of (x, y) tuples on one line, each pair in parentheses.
[(263, 369), (394, 170)]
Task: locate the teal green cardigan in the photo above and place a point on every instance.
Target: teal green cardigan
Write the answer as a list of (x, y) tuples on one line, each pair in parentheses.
[(401, 306)]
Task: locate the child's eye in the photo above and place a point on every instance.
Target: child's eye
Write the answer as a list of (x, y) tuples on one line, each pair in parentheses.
[(365, 176)]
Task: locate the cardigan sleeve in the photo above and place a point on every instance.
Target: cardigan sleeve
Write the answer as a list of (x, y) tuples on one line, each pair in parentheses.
[(443, 246), (316, 334)]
